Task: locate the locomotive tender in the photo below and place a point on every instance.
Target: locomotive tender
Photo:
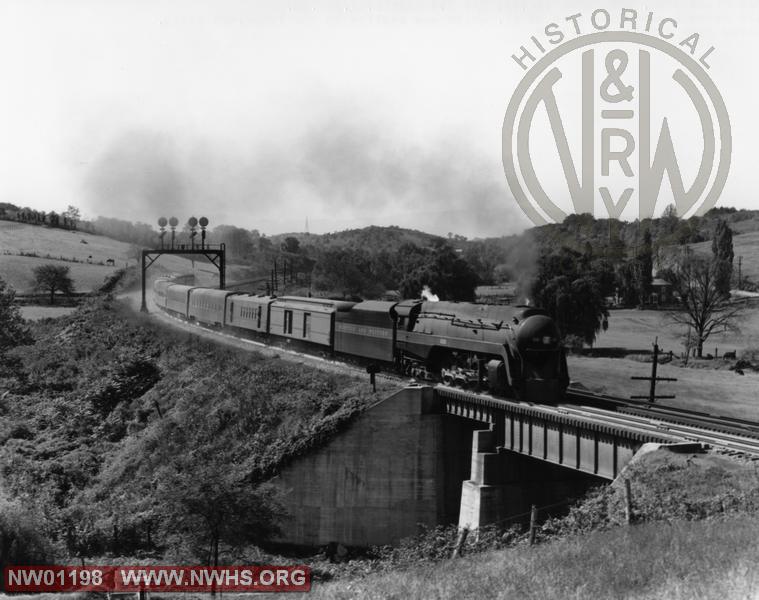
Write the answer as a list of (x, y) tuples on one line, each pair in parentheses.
[(513, 351)]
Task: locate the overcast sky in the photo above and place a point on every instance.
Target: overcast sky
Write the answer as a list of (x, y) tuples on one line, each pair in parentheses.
[(265, 114)]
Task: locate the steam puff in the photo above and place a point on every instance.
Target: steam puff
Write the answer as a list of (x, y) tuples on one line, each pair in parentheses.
[(340, 174), (428, 295)]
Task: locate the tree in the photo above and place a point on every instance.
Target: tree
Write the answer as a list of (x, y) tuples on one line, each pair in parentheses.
[(644, 268), (347, 272), (447, 275), (238, 241), (722, 249), (571, 294), (13, 331), (210, 506), (73, 216), (669, 219), (577, 306), (53, 278), (291, 245), (705, 308), (626, 286)]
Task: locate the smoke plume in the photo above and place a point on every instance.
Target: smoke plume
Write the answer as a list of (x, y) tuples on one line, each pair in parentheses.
[(339, 173)]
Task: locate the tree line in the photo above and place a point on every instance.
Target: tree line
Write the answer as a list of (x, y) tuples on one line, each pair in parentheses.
[(68, 219)]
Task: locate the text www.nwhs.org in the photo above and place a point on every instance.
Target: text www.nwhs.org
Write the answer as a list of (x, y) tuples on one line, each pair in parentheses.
[(157, 579)]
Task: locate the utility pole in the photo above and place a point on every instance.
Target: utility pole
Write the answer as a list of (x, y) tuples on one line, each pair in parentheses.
[(652, 397)]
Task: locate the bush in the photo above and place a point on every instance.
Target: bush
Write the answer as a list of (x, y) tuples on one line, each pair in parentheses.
[(22, 539)]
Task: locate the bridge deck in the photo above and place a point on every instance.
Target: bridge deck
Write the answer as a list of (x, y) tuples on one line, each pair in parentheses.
[(591, 445)]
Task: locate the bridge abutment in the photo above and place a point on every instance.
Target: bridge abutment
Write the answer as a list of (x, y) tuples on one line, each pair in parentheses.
[(434, 456)]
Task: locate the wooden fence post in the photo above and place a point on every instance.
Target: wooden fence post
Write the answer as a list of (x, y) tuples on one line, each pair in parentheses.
[(460, 543), (533, 523)]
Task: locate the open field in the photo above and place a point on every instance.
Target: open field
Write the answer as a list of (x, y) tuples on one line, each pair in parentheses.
[(19, 237), (18, 271), (708, 390), (636, 330)]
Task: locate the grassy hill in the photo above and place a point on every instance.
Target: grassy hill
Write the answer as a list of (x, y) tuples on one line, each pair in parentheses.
[(85, 254), (24, 247), (106, 405), (745, 245)]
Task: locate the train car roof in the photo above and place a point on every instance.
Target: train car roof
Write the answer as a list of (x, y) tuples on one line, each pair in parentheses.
[(256, 298), (213, 292), (322, 304), (180, 287), (375, 306)]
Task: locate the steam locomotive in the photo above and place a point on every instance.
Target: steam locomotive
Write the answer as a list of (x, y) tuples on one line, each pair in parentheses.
[(512, 351)]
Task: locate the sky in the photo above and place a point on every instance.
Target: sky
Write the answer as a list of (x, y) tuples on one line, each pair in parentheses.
[(277, 115)]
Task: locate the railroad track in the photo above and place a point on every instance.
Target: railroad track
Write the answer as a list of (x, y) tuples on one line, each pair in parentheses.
[(726, 432)]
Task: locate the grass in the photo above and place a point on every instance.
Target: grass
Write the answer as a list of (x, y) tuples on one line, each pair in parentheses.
[(637, 329), (711, 388), (680, 560), (718, 392), (19, 237), (695, 538), (745, 245), (35, 313), (18, 271), (106, 403)]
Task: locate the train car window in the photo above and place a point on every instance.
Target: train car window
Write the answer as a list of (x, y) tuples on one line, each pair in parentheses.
[(258, 318), (231, 311), (306, 324), (288, 321)]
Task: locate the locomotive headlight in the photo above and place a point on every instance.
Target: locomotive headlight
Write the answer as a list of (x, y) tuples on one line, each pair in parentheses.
[(547, 339)]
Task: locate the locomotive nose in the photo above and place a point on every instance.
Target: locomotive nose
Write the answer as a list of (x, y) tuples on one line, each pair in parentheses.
[(537, 333)]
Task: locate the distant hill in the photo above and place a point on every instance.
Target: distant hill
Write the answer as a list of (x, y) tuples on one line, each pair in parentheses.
[(373, 239), (251, 256)]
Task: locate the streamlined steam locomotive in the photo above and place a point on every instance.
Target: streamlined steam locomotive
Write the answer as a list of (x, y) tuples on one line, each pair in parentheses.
[(512, 351)]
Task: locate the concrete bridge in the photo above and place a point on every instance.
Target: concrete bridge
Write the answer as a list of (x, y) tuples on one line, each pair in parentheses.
[(428, 456)]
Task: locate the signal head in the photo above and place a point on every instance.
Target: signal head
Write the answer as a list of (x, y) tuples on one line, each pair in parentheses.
[(173, 221), (192, 221), (203, 222), (162, 222)]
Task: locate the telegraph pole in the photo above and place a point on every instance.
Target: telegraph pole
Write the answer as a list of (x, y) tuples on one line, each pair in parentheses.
[(652, 397)]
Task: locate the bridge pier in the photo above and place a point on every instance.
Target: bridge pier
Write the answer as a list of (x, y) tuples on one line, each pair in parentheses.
[(504, 484), (484, 497)]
